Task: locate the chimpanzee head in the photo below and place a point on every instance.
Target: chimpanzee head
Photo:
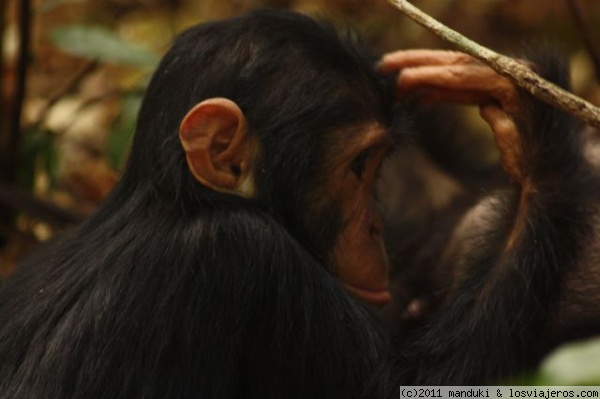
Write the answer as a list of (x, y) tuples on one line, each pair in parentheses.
[(276, 111)]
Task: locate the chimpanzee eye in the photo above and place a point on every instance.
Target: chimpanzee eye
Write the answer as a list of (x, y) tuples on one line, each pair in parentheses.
[(359, 164)]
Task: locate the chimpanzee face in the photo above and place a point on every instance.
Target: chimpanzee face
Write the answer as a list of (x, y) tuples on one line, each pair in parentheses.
[(221, 155), (358, 256)]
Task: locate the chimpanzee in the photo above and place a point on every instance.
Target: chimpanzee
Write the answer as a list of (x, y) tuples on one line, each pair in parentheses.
[(220, 265), (516, 274), (241, 250)]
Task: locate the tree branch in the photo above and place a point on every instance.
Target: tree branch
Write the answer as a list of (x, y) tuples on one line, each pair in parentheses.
[(506, 66), (3, 101), (22, 64), (49, 212)]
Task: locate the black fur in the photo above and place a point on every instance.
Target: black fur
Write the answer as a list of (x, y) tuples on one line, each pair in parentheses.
[(175, 291), (501, 311)]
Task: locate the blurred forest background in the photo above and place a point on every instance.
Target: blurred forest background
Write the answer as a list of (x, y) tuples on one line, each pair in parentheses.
[(74, 72)]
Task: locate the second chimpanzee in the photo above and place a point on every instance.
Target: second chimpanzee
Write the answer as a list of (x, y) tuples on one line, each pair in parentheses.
[(235, 254), (518, 273)]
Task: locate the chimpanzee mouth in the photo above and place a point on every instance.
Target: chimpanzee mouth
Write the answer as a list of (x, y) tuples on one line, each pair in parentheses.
[(373, 297)]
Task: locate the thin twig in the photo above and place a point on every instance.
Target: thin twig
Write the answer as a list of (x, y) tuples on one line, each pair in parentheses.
[(90, 102), (585, 30), (23, 61), (49, 212), (506, 66), (3, 102), (65, 89)]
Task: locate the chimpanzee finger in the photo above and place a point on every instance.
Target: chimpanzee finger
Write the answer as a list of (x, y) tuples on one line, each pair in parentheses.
[(507, 138), (470, 78), (397, 60)]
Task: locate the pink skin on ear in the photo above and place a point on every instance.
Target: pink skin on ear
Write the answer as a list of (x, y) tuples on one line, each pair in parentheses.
[(217, 148)]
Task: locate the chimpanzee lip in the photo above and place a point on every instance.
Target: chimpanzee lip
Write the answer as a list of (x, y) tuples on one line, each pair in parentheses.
[(373, 297)]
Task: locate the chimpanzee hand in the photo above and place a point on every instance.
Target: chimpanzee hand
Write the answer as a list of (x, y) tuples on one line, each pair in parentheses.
[(449, 76)]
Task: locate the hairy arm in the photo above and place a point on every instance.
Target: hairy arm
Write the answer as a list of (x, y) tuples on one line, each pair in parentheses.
[(517, 246)]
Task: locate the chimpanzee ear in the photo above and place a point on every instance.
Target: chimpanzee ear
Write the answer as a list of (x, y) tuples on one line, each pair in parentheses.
[(218, 149)]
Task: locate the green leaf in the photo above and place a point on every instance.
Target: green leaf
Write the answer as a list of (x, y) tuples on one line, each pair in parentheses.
[(100, 43), (37, 146), (573, 364), (120, 137)]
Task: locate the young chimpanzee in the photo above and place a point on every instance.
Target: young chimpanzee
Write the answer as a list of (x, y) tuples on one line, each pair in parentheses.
[(235, 254), (219, 267)]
